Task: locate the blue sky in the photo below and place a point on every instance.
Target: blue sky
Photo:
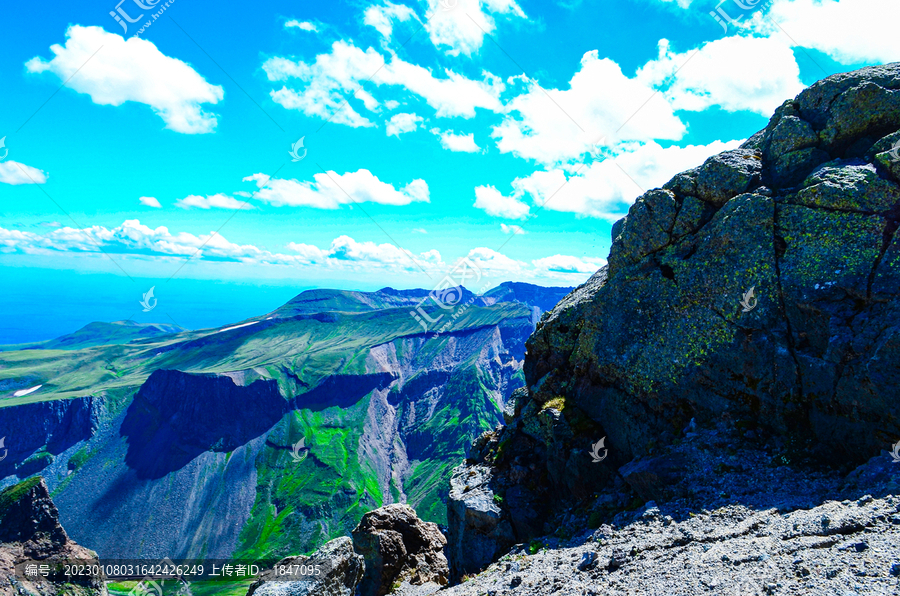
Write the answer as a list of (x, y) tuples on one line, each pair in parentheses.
[(432, 130)]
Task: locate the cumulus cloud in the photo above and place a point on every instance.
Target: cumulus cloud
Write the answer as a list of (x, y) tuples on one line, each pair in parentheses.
[(340, 74), (491, 201), (460, 25), (344, 248), (599, 105), (607, 187), (401, 123), (133, 70), (382, 17), (568, 264), (512, 229), (457, 142), (302, 25), (150, 202), (13, 172), (736, 73), (497, 265), (849, 31), (134, 238), (344, 254), (218, 201), (131, 237), (330, 190)]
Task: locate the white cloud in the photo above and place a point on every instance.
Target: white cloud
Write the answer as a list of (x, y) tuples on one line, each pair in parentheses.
[(341, 73), (497, 265), (391, 104), (330, 190), (345, 248), (557, 269), (401, 123), (457, 142), (218, 201), (492, 202), (304, 25), (382, 17), (13, 172), (680, 3), (460, 25), (345, 254), (133, 70), (849, 31), (420, 231), (736, 73), (568, 264), (134, 238), (512, 229), (150, 202), (600, 104), (131, 237), (606, 188)]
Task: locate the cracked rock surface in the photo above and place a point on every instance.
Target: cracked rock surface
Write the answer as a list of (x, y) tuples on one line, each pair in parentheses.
[(756, 291)]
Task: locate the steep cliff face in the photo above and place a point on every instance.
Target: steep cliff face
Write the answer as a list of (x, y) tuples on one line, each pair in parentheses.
[(758, 289), (40, 431)]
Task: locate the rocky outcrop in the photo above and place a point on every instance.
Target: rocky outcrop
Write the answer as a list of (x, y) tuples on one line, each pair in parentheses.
[(30, 531), (333, 570), (399, 548), (758, 290), (478, 532)]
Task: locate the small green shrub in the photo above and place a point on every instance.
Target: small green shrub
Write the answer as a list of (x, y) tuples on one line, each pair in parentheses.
[(557, 403)]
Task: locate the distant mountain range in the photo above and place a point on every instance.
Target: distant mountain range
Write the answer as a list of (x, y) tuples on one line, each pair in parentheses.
[(268, 436), (100, 334)]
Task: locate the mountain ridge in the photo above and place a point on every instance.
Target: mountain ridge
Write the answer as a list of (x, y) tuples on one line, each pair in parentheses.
[(165, 424)]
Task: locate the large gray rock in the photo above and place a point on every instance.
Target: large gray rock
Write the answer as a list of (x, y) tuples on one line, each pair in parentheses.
[(340, 572), (805, 215), (478, 531), (397, 547)]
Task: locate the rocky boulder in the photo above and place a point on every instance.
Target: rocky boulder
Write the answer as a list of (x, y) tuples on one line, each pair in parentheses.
[(478, 530), (336, 571), (398, 547), (760, 288), (30, 531)]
